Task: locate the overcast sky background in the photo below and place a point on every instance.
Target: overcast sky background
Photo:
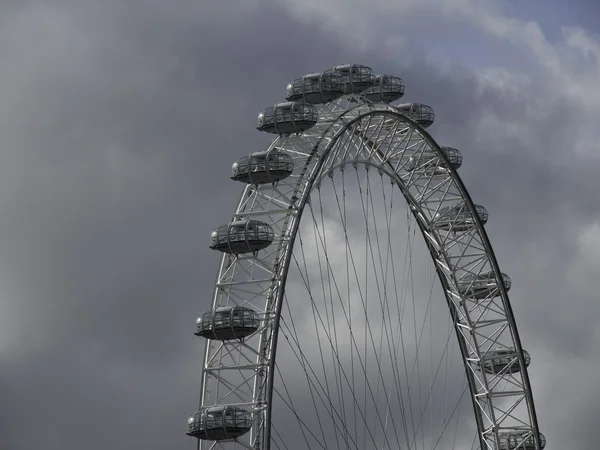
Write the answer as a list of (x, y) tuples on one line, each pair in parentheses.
[(118, 124)]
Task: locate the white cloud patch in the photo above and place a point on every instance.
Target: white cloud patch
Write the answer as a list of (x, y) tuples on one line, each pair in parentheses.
[(582, 272)]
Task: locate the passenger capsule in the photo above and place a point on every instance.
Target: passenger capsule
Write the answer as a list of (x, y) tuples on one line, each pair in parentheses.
[(387, 89), (422, 114), (316, 88), (458, 217), (242, 236), (482, 286), (219, 423), (287, 118), (263, 167), (227, 323), (429, 163), (503, 360), (521, 440), (356, 78)]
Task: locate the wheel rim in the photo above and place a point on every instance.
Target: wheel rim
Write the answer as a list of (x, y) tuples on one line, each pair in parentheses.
[(318, 152)]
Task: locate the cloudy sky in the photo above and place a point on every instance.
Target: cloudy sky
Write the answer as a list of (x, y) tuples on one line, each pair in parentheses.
[(118, 124)]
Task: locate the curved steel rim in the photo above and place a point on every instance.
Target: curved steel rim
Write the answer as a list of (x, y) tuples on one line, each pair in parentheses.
[(281, 267)]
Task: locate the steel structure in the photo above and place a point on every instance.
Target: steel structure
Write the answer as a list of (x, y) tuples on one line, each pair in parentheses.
[(354, 132)]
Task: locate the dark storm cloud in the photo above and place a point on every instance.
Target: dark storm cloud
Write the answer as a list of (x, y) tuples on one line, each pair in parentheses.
[(116, 154), (119, 121), (120, 128)]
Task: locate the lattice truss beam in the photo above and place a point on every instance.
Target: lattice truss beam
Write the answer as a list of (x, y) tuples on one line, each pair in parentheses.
[(352, 133)]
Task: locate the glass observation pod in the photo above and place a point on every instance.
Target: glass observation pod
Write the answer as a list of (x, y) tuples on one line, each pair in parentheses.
[(521, 440), (288, 118), (422, 114), (482, 286), (429, 163), (458, 217), (316, 88), (387, 89), (503, 360), (219, 423), (242, 236), (356, 78), (262, 167), (227, 323)]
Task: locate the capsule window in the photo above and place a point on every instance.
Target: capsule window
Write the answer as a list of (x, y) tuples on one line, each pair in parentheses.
[(237, 318), (213, 420), (284, 116), (259, 163), (242, 418), (205, 320), (222, 319), (236, 233)]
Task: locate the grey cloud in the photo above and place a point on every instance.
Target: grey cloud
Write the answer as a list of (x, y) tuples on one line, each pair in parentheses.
[(122, 128), (119, 124)]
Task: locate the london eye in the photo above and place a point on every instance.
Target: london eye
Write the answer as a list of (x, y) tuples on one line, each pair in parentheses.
[(358, 303)]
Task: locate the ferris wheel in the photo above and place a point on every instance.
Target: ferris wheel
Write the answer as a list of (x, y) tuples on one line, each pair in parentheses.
[(332, 324)]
